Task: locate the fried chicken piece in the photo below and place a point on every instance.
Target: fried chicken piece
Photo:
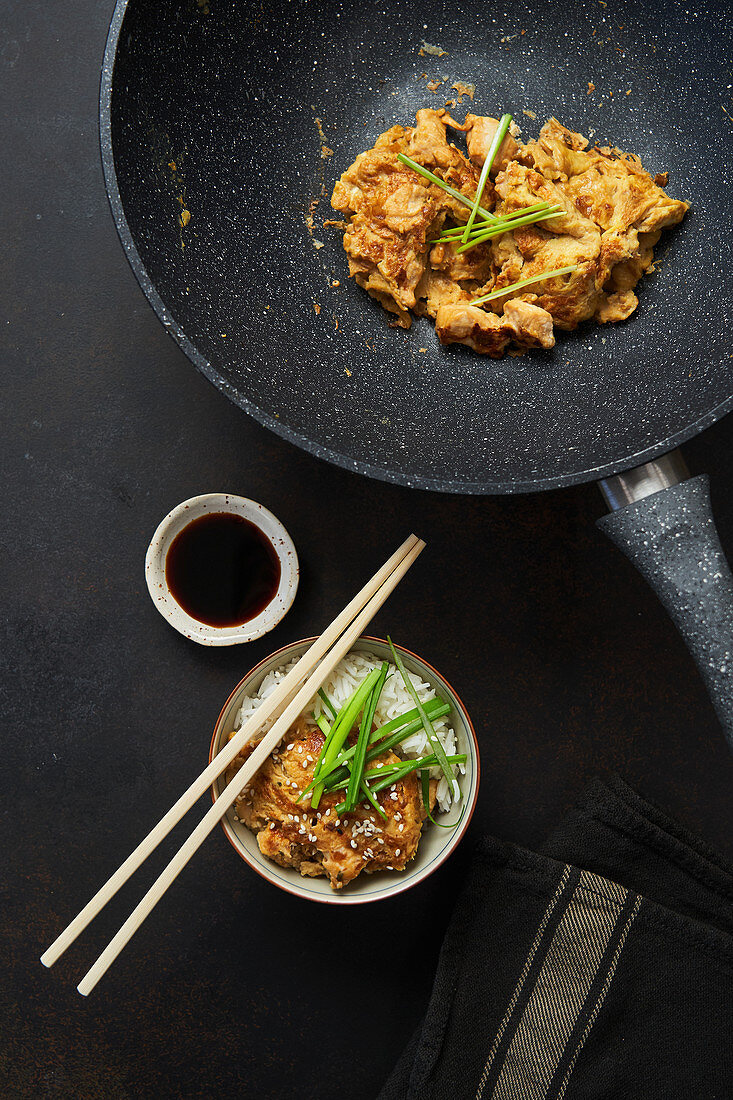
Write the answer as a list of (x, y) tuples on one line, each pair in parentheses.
[(319, 842), (480, 132), (394, 210), (616, 306), (558, 154), (531, 323), (523, 325), (437, 288), (619, 300), (428, 142), (617, 193), (473, 266), (391, 212)]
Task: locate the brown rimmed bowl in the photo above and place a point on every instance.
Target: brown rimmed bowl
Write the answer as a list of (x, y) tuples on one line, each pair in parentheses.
[(436, 844)]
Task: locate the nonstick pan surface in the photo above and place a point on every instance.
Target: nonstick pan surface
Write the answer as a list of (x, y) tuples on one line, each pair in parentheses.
[(221, 110)]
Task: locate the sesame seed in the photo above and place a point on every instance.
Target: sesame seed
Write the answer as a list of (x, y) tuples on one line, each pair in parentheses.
[(401, 827), (301, 830), (272, 824), (305, 763), (393, 787), (398, 816), (309, 758), (338, 820), (291, 746), (318, 816), (353, 844), (300, 748), (397, 851), (393, 796)]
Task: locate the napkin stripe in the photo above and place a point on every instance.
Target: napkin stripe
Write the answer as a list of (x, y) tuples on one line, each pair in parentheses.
[(528, 965), (598, 995), (564, 980)]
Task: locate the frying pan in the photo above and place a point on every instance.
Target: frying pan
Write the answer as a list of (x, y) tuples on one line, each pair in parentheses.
[(224, 126)]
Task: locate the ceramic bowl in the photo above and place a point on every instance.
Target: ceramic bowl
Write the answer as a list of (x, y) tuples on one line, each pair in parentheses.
[(270, 526), (436, 844)]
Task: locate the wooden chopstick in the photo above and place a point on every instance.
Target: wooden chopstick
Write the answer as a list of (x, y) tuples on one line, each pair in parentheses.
[(234, 788), (271, 706)]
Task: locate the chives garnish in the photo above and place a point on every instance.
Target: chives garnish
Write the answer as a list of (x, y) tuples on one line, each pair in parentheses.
[(398, 774), (446, 186), (340, 731), (403, 719), (338, 768), (362, 741), (382, 743), (327, 702), (457, 230), (509, 220), (501, 225), (378, 778), (384, 738), (499, 136), (430, 761), (322, 724), (518, 213), (436, 708), (448, 235), (425, 780), (394, 777), (543, 205), (503, 291), (433, 739), (506, 227)]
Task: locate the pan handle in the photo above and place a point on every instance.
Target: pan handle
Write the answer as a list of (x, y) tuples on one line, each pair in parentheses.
[(662, 520)]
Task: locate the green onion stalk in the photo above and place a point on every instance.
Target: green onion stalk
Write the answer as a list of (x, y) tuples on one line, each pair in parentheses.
[(501, 131), (504, 290), (433, 739)]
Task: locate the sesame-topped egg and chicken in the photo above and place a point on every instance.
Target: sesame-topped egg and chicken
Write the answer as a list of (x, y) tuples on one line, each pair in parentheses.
[(321, 841)]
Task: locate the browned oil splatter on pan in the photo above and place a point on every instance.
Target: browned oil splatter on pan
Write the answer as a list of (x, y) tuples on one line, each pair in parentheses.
[(214, 119)]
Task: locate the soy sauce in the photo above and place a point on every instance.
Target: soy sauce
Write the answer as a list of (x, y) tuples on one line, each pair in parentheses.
[(222, 570)]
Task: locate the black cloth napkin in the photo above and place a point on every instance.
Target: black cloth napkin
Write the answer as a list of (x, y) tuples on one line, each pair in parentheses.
[(599, 967)]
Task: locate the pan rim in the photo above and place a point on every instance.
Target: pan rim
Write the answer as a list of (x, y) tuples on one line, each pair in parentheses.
[(455, 486)]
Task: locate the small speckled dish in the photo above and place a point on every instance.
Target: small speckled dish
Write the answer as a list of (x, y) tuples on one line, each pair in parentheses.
[(270, 526), (436, 844)]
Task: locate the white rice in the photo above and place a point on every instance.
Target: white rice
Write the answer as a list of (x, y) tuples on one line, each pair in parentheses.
[(394, 700)]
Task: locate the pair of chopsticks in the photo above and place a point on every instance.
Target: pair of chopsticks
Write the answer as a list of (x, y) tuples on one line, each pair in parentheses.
[(284, 704)]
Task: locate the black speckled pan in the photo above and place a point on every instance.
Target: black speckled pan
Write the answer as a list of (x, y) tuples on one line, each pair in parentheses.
[(214, 119), (231, 94)]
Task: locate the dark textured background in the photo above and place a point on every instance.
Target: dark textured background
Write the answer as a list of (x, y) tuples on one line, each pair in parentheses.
[(566, 662)]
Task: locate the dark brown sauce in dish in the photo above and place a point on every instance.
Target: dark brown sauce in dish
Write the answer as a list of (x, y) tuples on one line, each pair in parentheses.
[(222, 570)]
